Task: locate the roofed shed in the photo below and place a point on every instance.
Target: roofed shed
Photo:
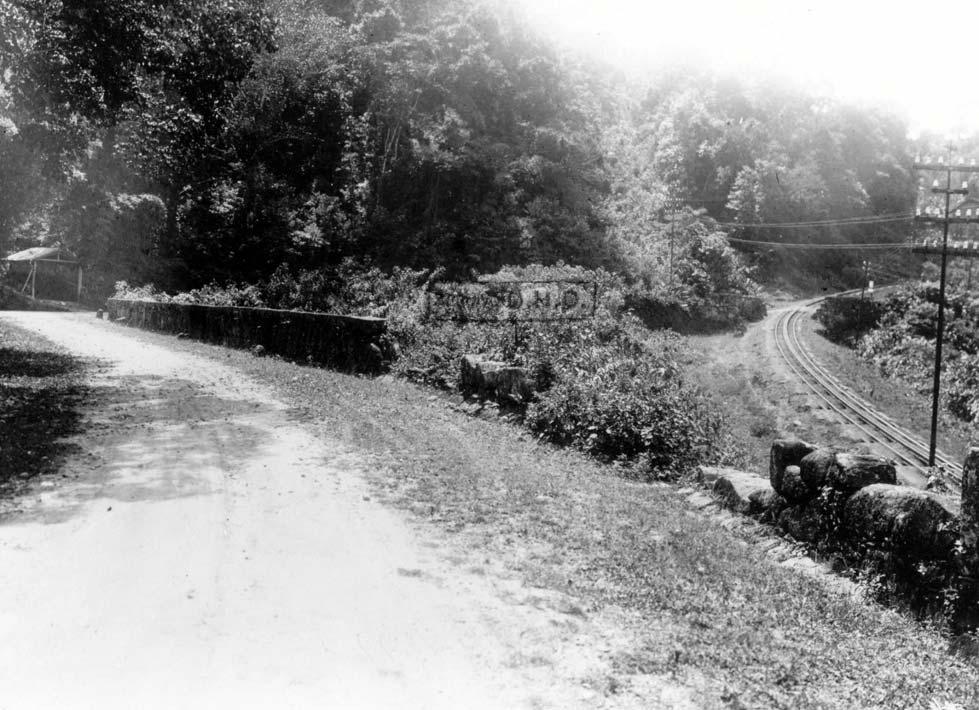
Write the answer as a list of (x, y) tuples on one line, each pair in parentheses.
[(61, 273)]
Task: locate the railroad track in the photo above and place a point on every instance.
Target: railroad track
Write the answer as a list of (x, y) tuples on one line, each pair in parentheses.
[(906, 448)]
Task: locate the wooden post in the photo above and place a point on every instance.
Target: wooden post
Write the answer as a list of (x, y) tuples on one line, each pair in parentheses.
[(33, 278), (78, 295)]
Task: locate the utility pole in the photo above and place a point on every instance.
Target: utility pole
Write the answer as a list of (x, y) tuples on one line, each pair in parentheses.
[(947, 191)]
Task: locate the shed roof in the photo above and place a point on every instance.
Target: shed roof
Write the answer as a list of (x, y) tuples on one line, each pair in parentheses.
[(37, 253)]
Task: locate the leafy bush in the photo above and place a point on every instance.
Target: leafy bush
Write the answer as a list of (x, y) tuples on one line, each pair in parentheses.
[(694, 315), (349, 288), (242, 296), (846, 319), (903, 344), (149, 292), (616, 403), (962, 387)]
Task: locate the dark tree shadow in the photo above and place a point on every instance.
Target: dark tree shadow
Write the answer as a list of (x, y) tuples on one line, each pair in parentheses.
[(40, 396), (15, 362)]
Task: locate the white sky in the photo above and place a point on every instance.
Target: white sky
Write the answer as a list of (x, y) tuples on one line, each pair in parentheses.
[(857, 50)]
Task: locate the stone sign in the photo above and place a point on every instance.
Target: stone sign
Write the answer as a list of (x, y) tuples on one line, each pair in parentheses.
[(512, 301)]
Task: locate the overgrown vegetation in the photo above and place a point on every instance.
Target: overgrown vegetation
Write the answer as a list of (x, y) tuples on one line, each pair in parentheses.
[(898, 333), (846, 319), (605, 385)]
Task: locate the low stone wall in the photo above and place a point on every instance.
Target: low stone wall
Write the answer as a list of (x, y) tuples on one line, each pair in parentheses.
[(849, 506), (348, 343)]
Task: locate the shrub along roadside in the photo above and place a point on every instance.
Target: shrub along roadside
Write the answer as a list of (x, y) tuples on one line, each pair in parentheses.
[(607, 385)]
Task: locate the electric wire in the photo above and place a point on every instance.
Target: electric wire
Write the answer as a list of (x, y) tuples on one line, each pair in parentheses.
[(823, 245), (839, 222)]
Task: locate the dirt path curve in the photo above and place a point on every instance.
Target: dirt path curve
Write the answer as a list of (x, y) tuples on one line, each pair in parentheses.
[(202, 550)]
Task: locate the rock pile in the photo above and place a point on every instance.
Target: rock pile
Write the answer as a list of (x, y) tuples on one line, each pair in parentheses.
[(495, 380), (855, 500)]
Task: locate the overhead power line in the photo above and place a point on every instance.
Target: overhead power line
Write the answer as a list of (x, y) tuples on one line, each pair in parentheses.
[(823, 245), (842, 222)]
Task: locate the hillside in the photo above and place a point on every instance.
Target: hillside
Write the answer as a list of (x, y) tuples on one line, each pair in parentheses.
[(239, 139)]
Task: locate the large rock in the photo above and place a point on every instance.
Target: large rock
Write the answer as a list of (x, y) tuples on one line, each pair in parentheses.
[(708, 475), (801, 522), (814, 468), (766, 504), (851, 472), (786, 452), (736, 488), (792, 487), (908, 521), (491, 378)]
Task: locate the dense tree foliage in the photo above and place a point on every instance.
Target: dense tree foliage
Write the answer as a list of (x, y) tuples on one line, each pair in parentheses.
[(432, 133), (759, 157)]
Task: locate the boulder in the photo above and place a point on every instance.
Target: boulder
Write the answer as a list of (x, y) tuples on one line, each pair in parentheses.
[(735, 489), (708, 475), (766, 504), (815, 467), (851, 472), (786, 452), (792, 487), (491, 378), (906, 520), (801, 522)]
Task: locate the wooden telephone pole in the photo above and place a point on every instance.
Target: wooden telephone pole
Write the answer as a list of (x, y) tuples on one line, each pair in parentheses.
[(934, 215)]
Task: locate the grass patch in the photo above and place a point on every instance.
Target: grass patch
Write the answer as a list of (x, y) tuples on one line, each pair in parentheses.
[(706, 606), (41, 389), (759, 402)]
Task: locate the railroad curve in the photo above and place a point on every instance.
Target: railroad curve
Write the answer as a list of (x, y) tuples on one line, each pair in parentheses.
[(880, 429)]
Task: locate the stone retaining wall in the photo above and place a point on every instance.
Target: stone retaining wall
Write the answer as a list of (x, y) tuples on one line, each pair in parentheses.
[(849, 507), (347, 343)]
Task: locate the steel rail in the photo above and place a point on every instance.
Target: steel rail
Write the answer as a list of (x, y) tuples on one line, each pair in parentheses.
[(881, 421), (849, 406)]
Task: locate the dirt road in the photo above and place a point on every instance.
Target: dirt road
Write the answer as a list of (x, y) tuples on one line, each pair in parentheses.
[(202, 550)]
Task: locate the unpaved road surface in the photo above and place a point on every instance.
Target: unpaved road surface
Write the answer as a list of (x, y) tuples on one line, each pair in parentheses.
[(203, 550)]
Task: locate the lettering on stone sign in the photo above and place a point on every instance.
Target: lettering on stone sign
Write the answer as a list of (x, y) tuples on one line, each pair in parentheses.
[(512, 301)]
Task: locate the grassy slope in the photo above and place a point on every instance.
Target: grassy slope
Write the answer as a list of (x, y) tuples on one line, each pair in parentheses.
[(759, 397), (706, 607)]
